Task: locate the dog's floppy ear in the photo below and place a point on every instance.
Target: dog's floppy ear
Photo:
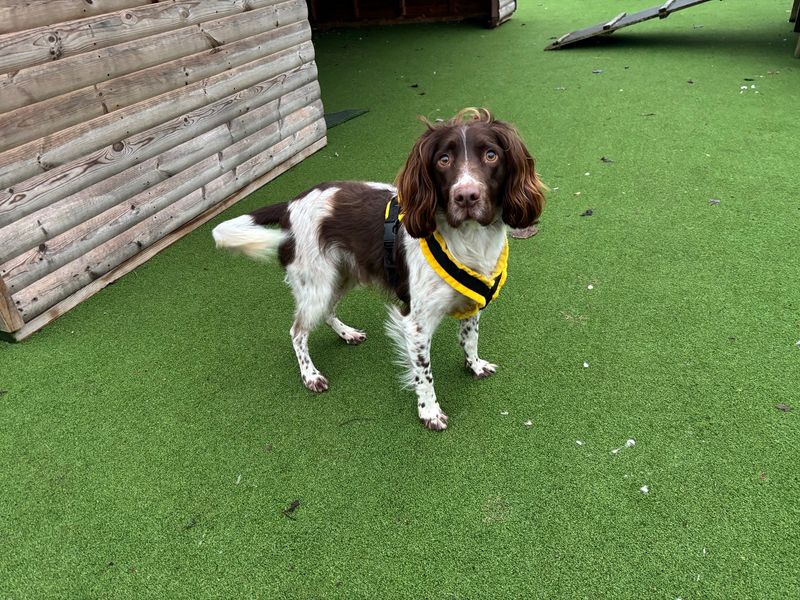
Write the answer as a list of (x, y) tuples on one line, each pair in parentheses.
[(416, 191), (523, 199)]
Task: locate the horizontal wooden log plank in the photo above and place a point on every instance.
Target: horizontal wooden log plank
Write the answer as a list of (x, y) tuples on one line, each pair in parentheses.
[(19, 16), (42, 155), (100, 283), (48, 80), (180, 168), (129, 89), (43, 44), (82, 190), (53, 288), (260, 12), (55, 114)]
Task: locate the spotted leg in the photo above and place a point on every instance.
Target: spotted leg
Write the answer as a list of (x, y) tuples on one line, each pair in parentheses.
[(351, 335), (468, 338), (413, 334)]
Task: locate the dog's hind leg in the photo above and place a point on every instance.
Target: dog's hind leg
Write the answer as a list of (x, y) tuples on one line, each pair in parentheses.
[(351, 335), (313, 291)]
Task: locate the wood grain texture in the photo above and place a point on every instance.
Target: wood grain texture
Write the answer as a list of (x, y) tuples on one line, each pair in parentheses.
[(172, 172), (52, 79), (58, 149), (55, 114), (18, 16), (91, 178), (10, 319), (48, 291), (124, 124), (101, 282), (45, 44)]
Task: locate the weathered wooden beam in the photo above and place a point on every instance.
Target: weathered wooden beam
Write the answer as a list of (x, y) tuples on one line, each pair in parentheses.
[(10, 319), (48, 80), (48, 291), (148, 83), (18, 16), (44, 44), (101, 282), (55, 114), (83, 189), (57, 149), (181, 166)]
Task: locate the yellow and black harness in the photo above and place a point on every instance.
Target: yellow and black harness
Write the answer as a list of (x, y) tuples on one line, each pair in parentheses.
[(478, 288)]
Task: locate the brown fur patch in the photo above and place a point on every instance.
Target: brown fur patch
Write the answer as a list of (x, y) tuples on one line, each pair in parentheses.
[(356, 225)]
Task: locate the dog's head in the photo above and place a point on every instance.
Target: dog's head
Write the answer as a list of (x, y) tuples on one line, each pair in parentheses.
[(471, 167)]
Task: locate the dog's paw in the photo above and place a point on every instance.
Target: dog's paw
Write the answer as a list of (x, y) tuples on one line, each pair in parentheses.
[(316, 382), (480, 368), (432, 417), (354, 337)]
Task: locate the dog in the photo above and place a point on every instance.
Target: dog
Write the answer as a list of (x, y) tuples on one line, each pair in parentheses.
[(465, 183)]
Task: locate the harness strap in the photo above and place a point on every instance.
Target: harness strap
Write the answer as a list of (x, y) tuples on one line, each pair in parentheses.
[(477, 289), (391, 224), (475, 286)]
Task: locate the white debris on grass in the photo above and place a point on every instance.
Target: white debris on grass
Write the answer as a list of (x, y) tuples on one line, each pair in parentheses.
[(504, 413), (579, 442), (238, 480), (629, 443), (644, 489), (585, 365), (528, 423), (590, 287)]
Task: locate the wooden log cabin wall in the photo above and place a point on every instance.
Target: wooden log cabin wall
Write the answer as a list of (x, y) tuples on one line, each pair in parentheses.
[(325, 13), (125, 124)]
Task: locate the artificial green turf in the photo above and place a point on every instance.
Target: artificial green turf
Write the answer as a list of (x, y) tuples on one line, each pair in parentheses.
[(151, 438)]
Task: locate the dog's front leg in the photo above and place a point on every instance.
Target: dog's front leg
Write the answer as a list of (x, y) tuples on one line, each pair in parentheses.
[(413, 334), (428, 409), (468, 338)]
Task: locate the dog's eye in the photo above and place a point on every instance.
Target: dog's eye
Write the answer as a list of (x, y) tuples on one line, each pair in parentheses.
[(444, 160), (491, 156)]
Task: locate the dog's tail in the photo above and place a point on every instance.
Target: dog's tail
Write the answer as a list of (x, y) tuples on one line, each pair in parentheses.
[(247, 234)]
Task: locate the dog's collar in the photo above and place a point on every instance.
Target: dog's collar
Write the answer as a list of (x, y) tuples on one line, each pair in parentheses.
[(478, 288)]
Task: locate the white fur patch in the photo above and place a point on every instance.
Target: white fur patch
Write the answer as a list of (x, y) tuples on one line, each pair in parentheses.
[(382, 186), (243, 235)]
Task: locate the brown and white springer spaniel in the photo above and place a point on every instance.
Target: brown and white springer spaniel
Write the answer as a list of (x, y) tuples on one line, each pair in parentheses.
[(470, 179)]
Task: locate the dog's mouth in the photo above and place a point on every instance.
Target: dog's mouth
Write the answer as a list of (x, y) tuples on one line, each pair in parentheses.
[(480, 211)]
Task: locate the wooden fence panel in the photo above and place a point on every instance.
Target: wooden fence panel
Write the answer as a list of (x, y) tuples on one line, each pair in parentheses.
[(129, 123)]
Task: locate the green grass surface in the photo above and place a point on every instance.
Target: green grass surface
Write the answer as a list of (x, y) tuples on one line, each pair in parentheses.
[(150, 438)]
